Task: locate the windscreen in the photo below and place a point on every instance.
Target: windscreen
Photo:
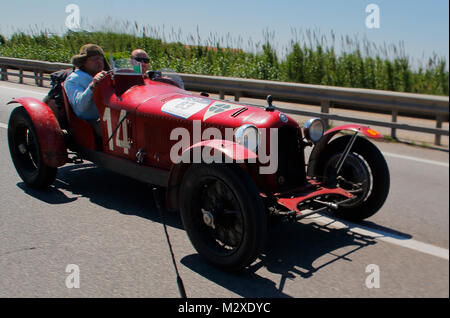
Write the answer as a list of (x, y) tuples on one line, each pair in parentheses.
[(126, 67)]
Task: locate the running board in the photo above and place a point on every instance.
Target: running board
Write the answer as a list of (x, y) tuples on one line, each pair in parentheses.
[(126, 167)]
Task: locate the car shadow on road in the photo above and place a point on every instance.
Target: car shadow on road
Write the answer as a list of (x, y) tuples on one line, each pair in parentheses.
[(51, 195), (294, 251), (104, 188)]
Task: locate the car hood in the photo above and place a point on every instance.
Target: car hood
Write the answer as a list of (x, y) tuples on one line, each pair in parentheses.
[(211, 111)]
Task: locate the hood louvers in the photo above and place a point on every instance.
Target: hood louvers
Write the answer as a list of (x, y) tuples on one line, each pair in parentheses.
[(238, 112)]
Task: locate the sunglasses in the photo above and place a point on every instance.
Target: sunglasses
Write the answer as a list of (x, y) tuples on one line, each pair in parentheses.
[(142, 59)]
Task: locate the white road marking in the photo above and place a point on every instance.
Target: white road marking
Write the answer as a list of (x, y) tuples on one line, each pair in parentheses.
[(23, 90), (383, 236), (432, 162)]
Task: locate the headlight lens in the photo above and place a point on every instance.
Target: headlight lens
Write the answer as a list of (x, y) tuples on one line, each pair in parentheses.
[(314, 129), (248, 136)]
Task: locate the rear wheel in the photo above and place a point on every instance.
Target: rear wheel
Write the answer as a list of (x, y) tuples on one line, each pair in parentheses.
[(364, 173), (26, 152), (223, 214)]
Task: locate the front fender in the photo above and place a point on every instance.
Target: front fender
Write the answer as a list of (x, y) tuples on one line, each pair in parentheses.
[(229, 149), (47, 128), (225, 149), (366, 131), (320, 146)]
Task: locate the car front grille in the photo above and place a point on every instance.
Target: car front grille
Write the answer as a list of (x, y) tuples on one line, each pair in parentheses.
[(291, 161)]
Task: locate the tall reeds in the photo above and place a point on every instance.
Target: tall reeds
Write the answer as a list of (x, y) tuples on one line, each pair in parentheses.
[(310, 57)]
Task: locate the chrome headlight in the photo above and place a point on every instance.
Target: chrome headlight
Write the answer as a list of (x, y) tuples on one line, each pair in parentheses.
[(247, 136), (314, 129)]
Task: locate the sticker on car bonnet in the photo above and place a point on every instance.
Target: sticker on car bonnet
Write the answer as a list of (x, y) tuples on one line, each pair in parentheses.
[(219, 107), (185, 107)]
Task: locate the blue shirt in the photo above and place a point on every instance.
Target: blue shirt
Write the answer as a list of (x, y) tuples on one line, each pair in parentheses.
[(80, 95)]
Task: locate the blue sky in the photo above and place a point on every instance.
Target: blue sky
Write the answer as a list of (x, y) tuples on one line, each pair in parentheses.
[(421, 25)]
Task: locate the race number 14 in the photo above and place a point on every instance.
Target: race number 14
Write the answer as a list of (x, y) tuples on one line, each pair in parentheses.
[(121, 143)]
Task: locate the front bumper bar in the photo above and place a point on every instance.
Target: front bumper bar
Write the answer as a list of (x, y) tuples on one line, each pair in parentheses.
[(314, 193)]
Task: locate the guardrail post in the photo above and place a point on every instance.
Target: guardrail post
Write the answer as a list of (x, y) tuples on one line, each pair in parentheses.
[(394, 120), (221, 94), (36, 81), (237, 95), (437, 137), (20, 76), (41, 80), (4, 73), (325, 109)]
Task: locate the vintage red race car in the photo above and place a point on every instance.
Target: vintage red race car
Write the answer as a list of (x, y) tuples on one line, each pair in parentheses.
[(229, 168)]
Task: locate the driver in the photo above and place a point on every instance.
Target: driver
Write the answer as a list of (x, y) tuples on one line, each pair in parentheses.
[(140, 56), (80, 85)]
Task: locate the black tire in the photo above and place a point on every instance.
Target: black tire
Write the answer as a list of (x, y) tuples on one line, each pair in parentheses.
[(26, 152), (238, 229), (364, 166)]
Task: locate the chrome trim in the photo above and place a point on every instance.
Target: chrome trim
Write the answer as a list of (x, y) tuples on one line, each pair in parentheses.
[(307, 127), (240, 132)]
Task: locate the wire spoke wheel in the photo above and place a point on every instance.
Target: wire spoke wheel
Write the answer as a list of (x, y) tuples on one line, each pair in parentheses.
[(223, 214)]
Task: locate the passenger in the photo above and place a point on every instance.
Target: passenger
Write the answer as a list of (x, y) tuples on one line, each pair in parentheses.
[(79, 85), (140, 56)]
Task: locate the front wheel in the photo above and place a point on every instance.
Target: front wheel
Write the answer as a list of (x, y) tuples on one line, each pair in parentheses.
[(364, 173), (26, 152), (223, 214)]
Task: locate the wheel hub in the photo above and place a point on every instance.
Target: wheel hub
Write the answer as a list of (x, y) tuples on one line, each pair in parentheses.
[(22, 149), (208, 218), (354, 177)]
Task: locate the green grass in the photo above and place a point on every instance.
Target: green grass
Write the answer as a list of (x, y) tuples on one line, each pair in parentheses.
[(309, 59), (389, 138)]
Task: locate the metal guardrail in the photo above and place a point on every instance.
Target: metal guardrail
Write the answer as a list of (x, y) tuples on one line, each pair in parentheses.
[(39, 68), (367, 100)]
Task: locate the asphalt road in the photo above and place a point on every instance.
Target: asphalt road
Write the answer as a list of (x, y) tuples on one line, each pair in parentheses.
[(108, 226)]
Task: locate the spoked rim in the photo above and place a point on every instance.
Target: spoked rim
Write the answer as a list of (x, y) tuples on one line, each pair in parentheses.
[(218, 216), (354, 177), (27, 149)]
